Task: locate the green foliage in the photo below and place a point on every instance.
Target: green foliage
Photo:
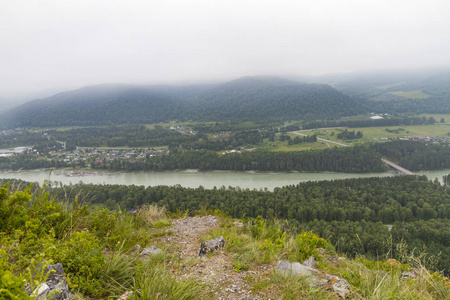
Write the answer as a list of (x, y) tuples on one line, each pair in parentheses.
[(306, 245), (349, 135), (12, 210), (11, 287), (30, 162), (83, 261), (36, 228)]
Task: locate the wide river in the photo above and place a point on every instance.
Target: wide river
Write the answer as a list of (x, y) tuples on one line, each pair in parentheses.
[(194, 179)]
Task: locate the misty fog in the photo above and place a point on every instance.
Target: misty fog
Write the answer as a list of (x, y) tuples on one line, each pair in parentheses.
[(47, 46)]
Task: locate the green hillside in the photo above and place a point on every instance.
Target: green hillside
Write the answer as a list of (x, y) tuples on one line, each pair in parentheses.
[(153, 253), (249, 98)]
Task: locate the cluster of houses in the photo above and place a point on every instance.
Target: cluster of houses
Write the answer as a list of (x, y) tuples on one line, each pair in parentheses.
[(427, 140), (375, 116), (108, 155), (182, 130)]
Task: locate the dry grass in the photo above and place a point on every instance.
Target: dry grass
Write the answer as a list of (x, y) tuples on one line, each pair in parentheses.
[(150, 213)]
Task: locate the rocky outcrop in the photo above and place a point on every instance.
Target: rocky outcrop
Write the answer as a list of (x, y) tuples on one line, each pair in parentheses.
[(150, 251), (310, 262), (409, 275), (55, 288), (146, 252), (211, 245), (316, 277)]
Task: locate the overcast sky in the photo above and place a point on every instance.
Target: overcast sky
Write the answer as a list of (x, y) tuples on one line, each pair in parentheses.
[(47, 44)]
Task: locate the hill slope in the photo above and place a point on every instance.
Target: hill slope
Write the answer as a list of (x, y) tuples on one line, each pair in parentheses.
[(271, 97), (248, 98), (99, 256), (96, 105)]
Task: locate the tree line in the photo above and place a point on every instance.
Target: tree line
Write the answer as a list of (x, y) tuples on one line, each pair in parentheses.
[(349, 135), (357, 159)]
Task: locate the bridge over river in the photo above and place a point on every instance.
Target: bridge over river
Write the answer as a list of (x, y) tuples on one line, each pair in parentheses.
[(398, 168)]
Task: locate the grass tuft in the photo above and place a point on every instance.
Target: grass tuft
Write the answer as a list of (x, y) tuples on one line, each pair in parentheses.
[(159, 283)]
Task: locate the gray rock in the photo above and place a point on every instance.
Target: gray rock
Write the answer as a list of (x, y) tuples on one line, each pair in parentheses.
[(56, 287), (59, 289), (150, 251), (28, 289), (310, 262), (294, 268), (341, 287), (409, 275), (315, 277), (211, 245), (58, 268), (336, 284), (41, 292), (284, 266)]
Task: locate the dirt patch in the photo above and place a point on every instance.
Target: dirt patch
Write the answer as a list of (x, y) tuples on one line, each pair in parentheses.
[(215, 270)]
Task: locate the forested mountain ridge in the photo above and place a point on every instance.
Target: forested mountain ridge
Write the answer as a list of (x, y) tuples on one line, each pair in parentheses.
[(248, 98), (95, 105)]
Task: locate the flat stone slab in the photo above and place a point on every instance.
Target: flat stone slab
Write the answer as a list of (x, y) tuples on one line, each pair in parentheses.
[(294, 268)]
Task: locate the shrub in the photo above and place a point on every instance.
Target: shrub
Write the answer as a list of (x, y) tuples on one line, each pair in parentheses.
[(83, 262), (306, 245), (11, 287)]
